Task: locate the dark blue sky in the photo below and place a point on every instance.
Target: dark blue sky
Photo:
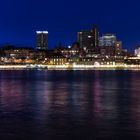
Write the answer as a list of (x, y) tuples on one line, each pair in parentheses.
[(63, 18)]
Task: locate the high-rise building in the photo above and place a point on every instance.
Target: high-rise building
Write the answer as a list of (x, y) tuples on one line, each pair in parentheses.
[(95, 35), (42, 40), (88, 39), (85, 39), (107, 40)]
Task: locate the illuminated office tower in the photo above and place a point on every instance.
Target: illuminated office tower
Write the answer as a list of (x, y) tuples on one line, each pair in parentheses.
[(85, 39), (95, 36), (107, 40), (88, 38), (42, 40)]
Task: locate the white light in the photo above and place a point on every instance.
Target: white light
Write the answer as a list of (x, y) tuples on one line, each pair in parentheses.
[(96, 64), (40, 32), (69, 47), (45, 32)]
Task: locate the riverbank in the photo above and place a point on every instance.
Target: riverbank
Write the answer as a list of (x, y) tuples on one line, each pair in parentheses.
[(72, 67), (22, 67), (93, 67)]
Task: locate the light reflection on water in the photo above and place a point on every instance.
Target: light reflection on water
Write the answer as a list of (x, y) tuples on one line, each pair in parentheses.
[(69, 105)]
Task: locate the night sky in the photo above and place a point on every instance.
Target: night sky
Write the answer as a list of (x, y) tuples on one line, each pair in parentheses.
[(64, 18)]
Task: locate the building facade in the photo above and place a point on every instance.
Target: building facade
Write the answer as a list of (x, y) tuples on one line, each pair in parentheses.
[(137, 51), (42, 40), (107, 40), (88, 39)]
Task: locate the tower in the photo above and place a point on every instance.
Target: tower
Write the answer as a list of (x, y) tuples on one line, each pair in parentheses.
[(95, 36), (42, 40), (89, 38)]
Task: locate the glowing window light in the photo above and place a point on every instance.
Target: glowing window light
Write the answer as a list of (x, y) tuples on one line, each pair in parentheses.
[(96, 64), (42, 32)]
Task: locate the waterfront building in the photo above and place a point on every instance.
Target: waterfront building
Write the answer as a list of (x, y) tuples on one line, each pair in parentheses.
[(42, 40), (137, 52), (118, 48), (56, 59), (17, 52)]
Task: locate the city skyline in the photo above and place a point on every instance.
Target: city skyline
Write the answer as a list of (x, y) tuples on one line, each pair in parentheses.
[(64, 43), (64, 19), (94, 35)]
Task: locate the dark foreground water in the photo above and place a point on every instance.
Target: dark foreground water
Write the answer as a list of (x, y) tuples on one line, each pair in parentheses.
[(69, 105)]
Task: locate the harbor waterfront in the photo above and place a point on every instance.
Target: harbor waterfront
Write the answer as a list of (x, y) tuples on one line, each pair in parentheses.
[(70, 67), (91, 51)]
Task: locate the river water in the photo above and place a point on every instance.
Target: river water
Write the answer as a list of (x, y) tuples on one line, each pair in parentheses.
[(69, 105)]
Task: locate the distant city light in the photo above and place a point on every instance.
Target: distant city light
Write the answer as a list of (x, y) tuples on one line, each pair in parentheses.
[(90, 51), (69, 46), (45, 32), (42, 32)]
